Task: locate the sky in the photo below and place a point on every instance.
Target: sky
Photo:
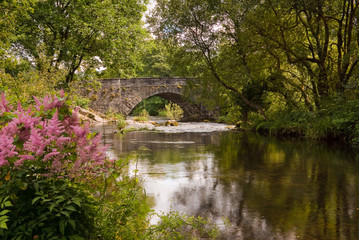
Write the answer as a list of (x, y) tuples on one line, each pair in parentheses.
[(151, 4)]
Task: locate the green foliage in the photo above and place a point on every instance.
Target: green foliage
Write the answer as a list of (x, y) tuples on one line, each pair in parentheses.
[(152, 105), (338, 119), (225, 54), (5, 203), (155, 60), (173, 111), (74, 36), (46, 45), (10, 10), (118, 118), (162, 113), (120, 121), (142, 117), (81, 101), (103, 207), (22, 82), (46, 209), (285, 60), (122, 211), (180, 226)]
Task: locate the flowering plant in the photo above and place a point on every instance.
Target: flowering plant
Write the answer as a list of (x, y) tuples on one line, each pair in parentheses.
[(49, 133), (47, 159)]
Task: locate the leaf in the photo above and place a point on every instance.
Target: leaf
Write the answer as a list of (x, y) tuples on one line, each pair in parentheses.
[(3, 212), (23, 186), (60, 197), (52, 207), (77, 201), (35, 200), (7, 177), (62, 227), (73, 223), (66, 213), (59, 201), (3, 225), (8, 204), (71, 208)]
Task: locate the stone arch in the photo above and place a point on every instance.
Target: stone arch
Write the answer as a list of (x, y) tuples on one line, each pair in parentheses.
[(190, 110), (122, 95)]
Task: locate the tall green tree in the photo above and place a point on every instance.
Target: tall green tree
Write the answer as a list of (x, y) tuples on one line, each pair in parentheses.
[(198, 26), (314, 43), (76, 35), (9, 10), (155, 60), (303, 52)]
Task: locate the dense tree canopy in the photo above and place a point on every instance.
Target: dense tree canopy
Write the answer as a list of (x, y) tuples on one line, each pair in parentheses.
[(265, 53), (74, 36)]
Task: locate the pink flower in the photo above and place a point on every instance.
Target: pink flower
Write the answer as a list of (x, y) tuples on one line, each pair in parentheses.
[(50, 155), (4, 104), (7, 149), (36, 142), (53, 127), (60, 146), (21, 126)]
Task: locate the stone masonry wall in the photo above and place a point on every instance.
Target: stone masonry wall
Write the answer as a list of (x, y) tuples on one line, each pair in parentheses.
[(122, 95)]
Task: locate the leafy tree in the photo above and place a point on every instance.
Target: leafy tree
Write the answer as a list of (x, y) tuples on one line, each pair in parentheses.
[(302, 52), (313, 42), (10, 9), (80, 35), (196, 25), (154, 60)]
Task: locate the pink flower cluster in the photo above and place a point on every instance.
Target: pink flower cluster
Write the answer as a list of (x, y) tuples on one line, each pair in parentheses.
[(49, 134)]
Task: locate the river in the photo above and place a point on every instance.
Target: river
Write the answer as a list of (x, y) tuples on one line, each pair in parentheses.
[(268, 188)]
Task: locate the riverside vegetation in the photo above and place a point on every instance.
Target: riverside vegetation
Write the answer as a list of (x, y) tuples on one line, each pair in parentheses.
[(58, 183), (282, 67)]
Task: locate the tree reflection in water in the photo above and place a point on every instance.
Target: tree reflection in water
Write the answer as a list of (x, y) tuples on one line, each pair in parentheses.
[(268, 188)]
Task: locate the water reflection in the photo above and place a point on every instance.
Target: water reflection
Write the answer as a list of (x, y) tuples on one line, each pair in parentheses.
[(268, 188)]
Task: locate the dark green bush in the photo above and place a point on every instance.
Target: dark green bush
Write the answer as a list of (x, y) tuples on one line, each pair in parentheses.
[(338, 119)]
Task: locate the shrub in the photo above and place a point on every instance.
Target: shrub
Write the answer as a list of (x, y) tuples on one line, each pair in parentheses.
[(122, 210), (45, 159), (49, 135), (120, 121), (46, 209), (337, 119), (174, 112), (143, 116), (82, 102), (162, 113)]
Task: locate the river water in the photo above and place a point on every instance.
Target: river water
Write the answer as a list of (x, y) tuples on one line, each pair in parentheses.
[(266, 187)]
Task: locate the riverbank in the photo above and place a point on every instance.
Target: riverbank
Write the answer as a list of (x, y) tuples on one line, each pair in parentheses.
[(153, 124), (327, 124), (335, 122)]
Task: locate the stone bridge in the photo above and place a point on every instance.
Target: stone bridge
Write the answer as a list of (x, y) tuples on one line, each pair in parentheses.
[(122, 95)]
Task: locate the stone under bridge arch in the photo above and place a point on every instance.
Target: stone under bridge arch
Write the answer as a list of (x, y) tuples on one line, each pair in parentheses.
[(122, 95)]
